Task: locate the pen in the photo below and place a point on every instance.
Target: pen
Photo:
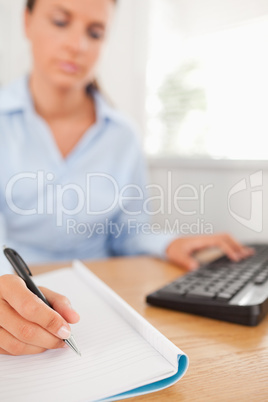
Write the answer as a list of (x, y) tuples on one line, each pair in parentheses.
[(24, 272)]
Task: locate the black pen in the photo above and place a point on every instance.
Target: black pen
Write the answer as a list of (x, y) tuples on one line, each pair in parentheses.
[(24, 272)]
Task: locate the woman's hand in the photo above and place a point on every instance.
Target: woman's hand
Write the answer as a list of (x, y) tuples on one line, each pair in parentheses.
[(27, 324), (181, 250)]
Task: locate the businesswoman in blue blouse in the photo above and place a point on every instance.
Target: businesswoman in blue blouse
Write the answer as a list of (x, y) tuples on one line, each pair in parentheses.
[(72, 177)]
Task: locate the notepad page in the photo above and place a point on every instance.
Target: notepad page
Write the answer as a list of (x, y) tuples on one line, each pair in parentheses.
[(115, 357), (142, 326)]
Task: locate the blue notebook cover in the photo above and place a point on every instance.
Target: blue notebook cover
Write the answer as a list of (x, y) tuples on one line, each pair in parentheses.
[(155, 386)]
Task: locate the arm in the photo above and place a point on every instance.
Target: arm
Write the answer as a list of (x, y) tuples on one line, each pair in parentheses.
[(136, 237), (131, 232)]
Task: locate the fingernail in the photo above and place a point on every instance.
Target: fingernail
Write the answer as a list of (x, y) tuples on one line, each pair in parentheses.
[(64, 333)]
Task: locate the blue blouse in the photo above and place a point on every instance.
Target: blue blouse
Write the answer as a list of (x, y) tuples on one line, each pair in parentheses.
[(89, 205)]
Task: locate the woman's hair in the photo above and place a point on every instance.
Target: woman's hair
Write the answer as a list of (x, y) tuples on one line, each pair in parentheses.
[(94, 84), (30, 4)]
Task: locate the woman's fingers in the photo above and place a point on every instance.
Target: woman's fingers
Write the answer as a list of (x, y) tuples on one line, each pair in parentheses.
[(31, 307), (24, 331), (181, 250), (27, 324), (62, 305), (187, 262), (241, 251), (4, 352), (12, 346), (231, 247)]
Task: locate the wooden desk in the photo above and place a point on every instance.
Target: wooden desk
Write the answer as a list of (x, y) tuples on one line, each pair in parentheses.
[(228, 362)]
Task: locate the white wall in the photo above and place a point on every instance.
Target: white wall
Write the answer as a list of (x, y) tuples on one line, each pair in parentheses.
[(221, 177), (14, 55), (122, 70), (202, 16)]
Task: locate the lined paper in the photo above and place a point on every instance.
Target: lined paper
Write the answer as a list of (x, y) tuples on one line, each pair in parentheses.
[(116, 357)]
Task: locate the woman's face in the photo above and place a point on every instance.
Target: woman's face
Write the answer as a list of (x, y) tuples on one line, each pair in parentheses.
[(67, 37)]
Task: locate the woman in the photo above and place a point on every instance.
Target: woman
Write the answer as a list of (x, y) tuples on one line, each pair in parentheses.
[(71, 163)]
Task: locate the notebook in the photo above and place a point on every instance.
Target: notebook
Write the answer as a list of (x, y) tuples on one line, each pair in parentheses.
[(122, 354)]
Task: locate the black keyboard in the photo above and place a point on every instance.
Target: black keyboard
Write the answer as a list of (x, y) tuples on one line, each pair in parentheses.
[(222, 289)]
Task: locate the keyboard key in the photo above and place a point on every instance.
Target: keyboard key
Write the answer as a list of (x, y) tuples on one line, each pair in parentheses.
[(218, 281), (215, 287), (233, 289), (200, 292), (246, 276), (224, 296), (260, 279)]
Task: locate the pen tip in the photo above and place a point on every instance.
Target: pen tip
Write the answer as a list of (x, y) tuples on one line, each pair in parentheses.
[(4, 247)]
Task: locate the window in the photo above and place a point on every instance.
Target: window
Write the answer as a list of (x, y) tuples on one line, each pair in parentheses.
[(207, 81)]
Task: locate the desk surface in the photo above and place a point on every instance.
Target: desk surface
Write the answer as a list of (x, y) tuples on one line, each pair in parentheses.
[(228, 362)]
